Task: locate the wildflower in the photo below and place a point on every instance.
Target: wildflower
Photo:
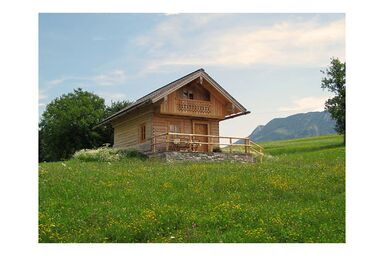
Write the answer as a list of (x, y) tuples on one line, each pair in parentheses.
[(236, 206)]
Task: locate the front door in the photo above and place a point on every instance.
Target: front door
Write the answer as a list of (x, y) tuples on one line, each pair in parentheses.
[(201, 128)]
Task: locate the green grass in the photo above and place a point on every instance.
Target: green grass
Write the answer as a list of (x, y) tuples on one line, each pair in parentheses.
[(296, 195)]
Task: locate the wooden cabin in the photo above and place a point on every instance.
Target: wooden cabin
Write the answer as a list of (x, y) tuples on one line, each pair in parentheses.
[(183, 115)]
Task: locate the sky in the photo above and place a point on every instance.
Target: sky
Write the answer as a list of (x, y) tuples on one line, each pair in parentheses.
[(270, 63)]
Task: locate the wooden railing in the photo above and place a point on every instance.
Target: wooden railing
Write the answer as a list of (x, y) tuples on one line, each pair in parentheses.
[(172, 141), (194, 106), (258, 150)]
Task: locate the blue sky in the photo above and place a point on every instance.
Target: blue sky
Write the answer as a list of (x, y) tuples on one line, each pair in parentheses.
[(269, 62)]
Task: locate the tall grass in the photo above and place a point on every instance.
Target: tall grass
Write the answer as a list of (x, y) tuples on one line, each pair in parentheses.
[(105, 154), (296, 195)]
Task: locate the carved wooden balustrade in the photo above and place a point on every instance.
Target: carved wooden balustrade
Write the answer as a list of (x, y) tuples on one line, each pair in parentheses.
[(194, 106)]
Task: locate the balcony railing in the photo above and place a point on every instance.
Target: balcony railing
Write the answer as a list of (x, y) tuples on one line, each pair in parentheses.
[(194, 106), (171, 141)]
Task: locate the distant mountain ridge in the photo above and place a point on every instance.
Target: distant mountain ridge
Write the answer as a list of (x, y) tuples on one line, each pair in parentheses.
[(295, 126)]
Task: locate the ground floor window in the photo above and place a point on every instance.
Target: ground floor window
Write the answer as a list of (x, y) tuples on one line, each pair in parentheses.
[(142, 135), (174, 128)]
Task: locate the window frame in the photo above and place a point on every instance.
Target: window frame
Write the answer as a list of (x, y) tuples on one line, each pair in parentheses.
[(142, 133)]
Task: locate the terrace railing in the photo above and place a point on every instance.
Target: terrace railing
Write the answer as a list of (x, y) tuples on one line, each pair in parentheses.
[(189, 142)]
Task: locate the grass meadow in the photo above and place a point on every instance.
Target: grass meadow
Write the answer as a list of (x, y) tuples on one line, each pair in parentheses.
[(296, 195)]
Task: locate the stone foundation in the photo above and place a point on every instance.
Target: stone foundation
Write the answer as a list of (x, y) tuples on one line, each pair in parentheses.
[(203, 156)]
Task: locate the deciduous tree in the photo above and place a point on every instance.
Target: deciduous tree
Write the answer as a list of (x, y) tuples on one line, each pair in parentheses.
[(334, 81), (66, 125)]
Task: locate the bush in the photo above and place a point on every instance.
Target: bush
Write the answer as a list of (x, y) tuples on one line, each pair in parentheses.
[(217, 149), (105, 154)]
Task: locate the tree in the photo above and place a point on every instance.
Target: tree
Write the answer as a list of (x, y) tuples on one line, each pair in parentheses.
[(107, 130), (116, 106), (334, 81), (66, 125)]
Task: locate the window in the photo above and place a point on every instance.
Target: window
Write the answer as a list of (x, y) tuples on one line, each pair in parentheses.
[(142, 136), (175, 139), (174, 128), (187, 94)]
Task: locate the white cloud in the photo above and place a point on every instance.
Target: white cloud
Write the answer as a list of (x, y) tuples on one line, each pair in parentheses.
[(284, 44), (171, 13), (306, 104), (56, 82), (42, 95), (110, 78), (114, 77)]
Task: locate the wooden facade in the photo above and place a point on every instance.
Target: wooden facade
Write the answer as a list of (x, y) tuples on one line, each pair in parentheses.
[(193, 105)]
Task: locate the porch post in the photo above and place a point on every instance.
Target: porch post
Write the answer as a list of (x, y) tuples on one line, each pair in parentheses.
[(167, 142), (246, 145)]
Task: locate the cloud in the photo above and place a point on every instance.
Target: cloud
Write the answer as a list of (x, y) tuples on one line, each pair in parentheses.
[(56, 81), (114, 77), (186, 41), (306, 104), (110, 78), (171, 13), (42, 95)]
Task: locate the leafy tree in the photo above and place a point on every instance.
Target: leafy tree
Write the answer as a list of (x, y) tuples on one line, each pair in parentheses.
[(66, 125), (107, 130), (334, 81), (116, 106)]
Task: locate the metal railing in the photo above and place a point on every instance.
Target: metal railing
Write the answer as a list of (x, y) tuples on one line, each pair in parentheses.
[(189, 142)]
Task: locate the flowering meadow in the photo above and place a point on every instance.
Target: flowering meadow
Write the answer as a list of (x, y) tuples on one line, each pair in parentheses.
[(296, 195)]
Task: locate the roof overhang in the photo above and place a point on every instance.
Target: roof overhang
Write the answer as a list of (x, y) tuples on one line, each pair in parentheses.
[(162, 92), (122, 112), (236, 115)]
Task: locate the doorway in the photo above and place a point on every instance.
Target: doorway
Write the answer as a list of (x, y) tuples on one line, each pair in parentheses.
[(201, 128)]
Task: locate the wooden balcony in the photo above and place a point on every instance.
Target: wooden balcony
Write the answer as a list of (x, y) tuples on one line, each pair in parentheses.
[(194, 107), (171, 141)]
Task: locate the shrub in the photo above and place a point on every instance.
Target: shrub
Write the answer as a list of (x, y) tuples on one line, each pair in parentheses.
[(217, 149), (105, 154)]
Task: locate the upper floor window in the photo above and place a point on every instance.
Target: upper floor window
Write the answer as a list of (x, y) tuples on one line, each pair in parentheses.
[(187, 94)]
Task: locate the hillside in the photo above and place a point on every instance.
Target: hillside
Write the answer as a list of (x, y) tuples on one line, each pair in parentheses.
[(296, 195), (295, 126)]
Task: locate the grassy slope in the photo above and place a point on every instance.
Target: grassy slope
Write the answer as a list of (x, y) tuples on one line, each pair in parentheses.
[(297, 195)]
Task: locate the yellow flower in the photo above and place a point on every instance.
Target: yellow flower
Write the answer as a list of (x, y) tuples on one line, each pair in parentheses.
[(236, 206)]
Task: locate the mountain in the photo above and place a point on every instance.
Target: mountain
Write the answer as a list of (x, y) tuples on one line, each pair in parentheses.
[(295, 126)]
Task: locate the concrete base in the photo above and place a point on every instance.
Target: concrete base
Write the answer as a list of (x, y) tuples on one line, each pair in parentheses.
[(203, 156)]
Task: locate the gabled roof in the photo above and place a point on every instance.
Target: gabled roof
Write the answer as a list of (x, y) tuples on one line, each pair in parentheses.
[(171, 87)]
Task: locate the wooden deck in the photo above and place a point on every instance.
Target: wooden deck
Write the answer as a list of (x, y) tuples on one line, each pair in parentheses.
[(187, 142)]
